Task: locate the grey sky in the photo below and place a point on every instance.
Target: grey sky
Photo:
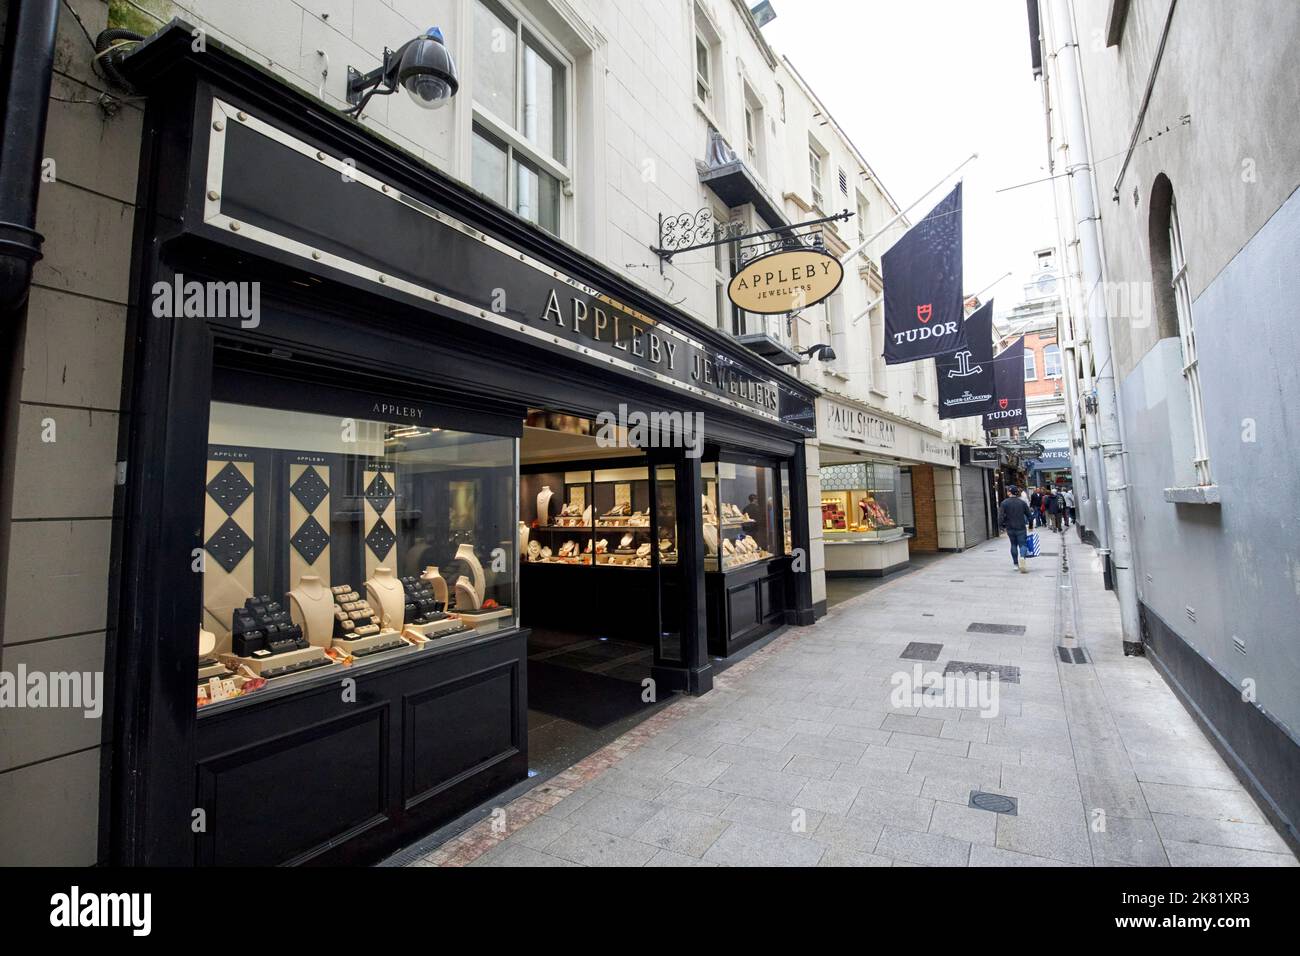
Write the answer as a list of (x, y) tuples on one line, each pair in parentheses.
[(921, 84)]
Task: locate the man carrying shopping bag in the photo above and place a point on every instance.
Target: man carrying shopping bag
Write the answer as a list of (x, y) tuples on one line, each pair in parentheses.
[(1014, 514)]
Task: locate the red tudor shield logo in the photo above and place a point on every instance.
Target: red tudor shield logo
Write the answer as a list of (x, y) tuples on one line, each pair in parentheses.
[(1002, 403), (923, 313)]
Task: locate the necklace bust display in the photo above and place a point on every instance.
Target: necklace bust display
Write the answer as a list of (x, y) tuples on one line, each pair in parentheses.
[(311, 607), (479, 580), (387, 596), (436, 581)]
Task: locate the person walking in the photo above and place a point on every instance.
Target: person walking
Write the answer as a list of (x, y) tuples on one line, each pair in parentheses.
[(1054, 505), (1014, 513), (1035, 507), (1069, 508)]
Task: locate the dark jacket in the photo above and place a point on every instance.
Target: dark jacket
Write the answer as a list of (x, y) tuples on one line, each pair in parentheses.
[(1036, 501), (1014, 514), (1055, 504)]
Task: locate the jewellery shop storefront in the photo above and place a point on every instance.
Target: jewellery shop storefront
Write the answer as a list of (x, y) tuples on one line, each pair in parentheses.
[(887, 490), (350, 510)]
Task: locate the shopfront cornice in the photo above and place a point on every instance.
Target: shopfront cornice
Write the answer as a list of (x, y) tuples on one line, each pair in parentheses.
[(168, 57)]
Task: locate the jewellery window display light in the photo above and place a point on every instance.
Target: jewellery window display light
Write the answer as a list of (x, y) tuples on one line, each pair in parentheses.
[(587, 517), (330, 543), (859, 501), (555, 518), (739, 514)]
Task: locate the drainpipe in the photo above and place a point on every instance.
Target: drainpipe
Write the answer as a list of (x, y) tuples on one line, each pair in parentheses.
[(28, 70), (1069, 82)]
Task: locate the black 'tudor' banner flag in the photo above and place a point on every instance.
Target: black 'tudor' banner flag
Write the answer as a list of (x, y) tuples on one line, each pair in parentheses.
[(1008, 388), (966, 376), (923, 287)]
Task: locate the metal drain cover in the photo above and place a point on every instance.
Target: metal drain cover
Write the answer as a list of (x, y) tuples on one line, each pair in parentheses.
[(981, 628), (1007, 673), (917, 651), (993, 802)]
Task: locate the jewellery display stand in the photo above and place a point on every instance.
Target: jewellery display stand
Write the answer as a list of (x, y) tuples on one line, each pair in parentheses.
[(436, 581), (357, 629), (267, 642), (426, 615), (386, 595), (466, 553), (544, 505), (311, 607), (209, 666)]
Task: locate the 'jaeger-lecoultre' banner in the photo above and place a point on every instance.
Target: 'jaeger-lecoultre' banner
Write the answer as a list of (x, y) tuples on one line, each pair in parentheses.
[(1008, 388), (923, 287), (966, 376)]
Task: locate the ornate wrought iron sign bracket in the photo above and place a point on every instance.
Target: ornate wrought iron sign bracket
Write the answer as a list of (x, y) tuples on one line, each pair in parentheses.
[(687, 232)]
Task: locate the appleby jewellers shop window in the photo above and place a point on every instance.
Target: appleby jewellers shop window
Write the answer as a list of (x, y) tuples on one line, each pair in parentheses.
[(347, 506)]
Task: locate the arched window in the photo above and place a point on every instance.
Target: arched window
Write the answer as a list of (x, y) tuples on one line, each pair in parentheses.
[(1052, 362), (1172, 299)]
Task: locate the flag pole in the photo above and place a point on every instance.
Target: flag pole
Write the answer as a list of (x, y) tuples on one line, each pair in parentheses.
[(844, 259), (848, 256)]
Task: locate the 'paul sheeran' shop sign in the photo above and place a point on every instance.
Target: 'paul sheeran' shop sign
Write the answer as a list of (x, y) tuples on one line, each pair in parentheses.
[(786, 281)]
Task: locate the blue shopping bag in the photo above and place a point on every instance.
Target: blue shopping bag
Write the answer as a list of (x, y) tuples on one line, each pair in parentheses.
[(1030, 549)]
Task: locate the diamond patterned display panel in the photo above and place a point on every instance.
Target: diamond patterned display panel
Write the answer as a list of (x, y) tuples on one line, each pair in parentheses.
[(381, 539), (229, 488), (310, 489), (229, 545), (310, 540), (380, 492)]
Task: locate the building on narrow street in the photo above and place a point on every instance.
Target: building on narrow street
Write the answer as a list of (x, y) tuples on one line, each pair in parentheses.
[(1179, 214)]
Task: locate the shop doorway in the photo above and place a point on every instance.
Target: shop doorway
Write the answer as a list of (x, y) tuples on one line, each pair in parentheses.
[(598, 579)]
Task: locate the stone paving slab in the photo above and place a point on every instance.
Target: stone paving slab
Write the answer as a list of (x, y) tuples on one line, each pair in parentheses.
[(818, 750)]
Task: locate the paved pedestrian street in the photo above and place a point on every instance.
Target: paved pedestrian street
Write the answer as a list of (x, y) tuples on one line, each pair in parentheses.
[(816, 751)]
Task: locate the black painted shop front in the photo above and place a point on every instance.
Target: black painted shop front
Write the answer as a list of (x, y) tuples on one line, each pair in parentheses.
[(364, 427)]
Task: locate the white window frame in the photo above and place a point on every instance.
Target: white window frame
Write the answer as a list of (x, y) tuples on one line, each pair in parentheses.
[(705, 36), (1048, 352), (1187, 337), (816, 174), (510, 132), (1031, 366)]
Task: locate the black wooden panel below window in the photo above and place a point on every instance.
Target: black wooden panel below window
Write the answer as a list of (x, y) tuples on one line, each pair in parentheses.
[(270, 802)]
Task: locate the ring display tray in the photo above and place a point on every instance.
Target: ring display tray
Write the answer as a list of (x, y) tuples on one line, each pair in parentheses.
[(434, 629), (475, 618), (280, 665), (374, 644)]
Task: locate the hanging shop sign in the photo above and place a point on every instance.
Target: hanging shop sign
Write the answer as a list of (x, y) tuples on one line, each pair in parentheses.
[(321, 209), (785, 281), (982, 456)]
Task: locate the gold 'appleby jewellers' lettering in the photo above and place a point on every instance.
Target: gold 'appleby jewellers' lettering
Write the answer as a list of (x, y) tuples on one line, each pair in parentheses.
[(626, 333), (614, 328), (784, 281)]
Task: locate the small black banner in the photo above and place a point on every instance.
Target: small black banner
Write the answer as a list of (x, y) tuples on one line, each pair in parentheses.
[(1008, 408), (966, 376)]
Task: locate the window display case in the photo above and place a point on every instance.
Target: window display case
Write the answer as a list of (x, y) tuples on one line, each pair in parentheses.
[(332, 543), (859, 501), (738, 510), (586, 517)]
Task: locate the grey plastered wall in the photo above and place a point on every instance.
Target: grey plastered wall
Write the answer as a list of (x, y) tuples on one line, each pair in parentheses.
[(57, 526), (1237, 565), (1234, 168)]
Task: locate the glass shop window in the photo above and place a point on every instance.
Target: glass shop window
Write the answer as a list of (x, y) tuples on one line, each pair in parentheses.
[(332, 543), (860, 501), (739, 510)]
